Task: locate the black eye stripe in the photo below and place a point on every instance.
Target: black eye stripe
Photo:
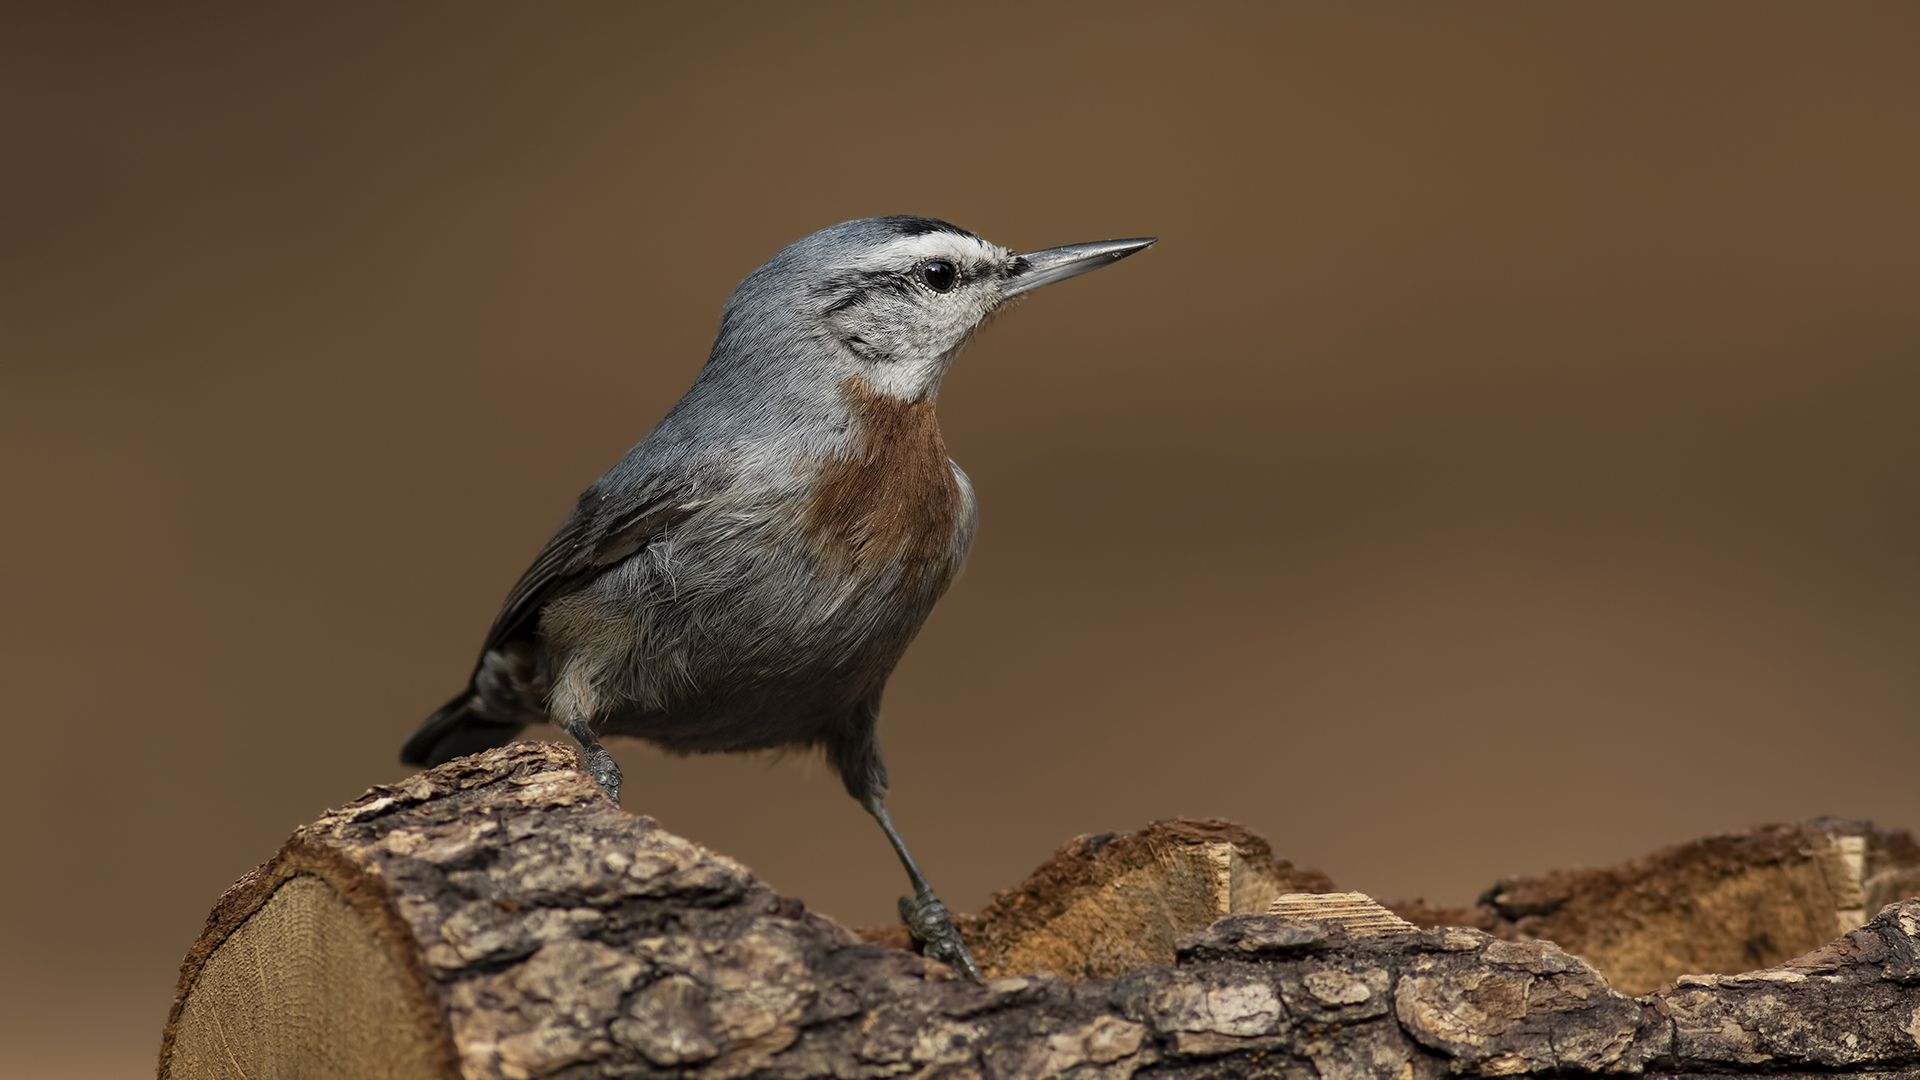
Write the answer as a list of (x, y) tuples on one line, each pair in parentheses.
[(939, 274)]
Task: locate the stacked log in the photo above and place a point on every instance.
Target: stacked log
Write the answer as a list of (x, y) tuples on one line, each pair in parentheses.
[(499, 917)]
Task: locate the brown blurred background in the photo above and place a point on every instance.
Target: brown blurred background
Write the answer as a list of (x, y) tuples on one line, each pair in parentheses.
[(1507, 459)]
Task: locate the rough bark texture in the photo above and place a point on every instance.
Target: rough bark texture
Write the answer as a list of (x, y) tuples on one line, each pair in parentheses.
[(527, 927)]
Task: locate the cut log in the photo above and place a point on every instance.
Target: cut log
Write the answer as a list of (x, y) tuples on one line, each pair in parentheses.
[(304, 970), (1720, 905), (499, 917), (1106, 904)]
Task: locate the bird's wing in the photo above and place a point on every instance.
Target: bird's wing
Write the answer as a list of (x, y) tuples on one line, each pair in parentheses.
[(595, 536)]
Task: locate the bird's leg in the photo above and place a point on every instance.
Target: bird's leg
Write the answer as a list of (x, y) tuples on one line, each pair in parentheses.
[(600, 764), (926, 917)]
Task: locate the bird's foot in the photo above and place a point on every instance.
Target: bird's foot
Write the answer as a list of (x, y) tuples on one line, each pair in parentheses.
[(932, 926), (601, 766)]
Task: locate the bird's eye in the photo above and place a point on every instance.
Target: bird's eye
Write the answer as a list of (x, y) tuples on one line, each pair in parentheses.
[(939, 274)]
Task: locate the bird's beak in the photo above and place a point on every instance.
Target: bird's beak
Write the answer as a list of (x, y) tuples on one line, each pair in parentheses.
[(1037, 268)]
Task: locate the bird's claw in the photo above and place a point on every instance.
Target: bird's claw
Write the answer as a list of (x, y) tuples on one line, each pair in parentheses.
[(605, 773), (932, 926), (610, 785)]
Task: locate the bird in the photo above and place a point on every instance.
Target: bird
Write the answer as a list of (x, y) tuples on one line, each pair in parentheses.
[(748, 575)]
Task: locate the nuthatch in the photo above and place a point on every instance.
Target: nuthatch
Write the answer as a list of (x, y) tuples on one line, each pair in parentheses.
[(749, 574)]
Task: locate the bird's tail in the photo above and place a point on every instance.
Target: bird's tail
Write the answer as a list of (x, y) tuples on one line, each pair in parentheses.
[(454, 731)]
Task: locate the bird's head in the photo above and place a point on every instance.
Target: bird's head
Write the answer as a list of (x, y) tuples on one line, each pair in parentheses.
[(892, 299)]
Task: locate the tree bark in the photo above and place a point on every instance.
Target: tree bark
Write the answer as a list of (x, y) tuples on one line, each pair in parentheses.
[(498, 917)]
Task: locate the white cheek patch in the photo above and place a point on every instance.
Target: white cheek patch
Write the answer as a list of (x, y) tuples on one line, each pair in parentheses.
[(920, 331)]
